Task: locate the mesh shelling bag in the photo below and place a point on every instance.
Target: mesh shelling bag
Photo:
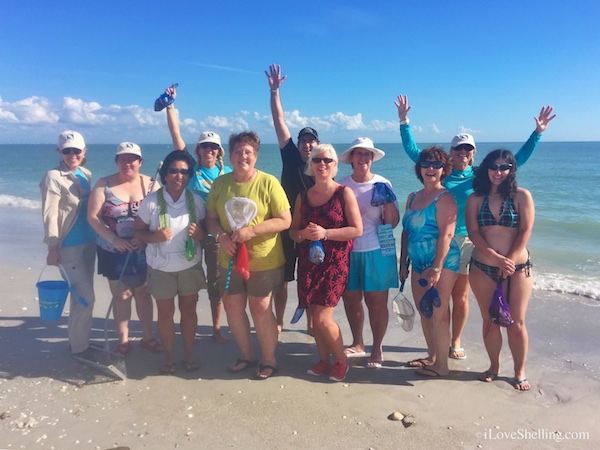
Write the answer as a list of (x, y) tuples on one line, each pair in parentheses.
[(499, 309), (240, 212)]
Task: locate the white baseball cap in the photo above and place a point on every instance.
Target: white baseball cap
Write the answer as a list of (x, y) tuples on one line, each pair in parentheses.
[(129, 148), (462, 139), (70, 139)]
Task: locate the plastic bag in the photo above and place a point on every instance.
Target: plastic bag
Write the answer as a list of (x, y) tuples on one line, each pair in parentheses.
[(382, 194), (163, 101), (316, 252), (499, 309)]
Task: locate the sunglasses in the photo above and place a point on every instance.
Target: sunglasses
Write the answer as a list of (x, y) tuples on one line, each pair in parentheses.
[(185, 172), (320, 160), (209, 146), (465, 147), (68, 151), (500, 167), (434, 164)]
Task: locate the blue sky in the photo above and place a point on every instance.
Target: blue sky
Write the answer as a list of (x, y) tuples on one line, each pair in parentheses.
[(482, 67)]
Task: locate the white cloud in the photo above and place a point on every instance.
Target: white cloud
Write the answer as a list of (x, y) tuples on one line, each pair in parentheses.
[(463, 129), (434, 128), (32, 110), (37, 119)]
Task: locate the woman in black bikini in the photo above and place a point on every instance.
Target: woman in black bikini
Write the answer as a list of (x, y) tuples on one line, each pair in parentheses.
[(499, 219)]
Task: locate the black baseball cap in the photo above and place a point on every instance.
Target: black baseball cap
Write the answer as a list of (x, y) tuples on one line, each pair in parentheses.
[(309, 130)]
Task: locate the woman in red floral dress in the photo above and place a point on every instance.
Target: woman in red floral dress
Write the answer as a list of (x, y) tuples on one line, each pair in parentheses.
[(326, 213)]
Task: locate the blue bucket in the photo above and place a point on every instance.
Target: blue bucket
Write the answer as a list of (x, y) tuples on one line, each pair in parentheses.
[(52, 296)]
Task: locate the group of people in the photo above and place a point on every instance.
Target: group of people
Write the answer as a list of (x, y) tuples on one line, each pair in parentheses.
[(238, 232)]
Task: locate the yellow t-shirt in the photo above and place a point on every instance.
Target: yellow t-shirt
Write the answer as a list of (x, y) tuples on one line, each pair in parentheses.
[(264, 252)]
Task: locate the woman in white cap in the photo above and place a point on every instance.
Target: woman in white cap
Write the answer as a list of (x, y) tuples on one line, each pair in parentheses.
[(209, 156), (114, 203), (70, 240), (373, 269), (460, 185)]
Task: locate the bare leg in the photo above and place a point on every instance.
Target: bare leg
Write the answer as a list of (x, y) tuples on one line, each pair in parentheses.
[(235, 308), (280, 297), (145, 310), (309, 322), (483, 288), (216, 309), (189, 323), (329, 332), (460, 310), (418, 292), (356, 319), (518, 340), (121, 308), (440, 325), (378, 318), (266, 328), (324, 350), (166, 327), (213, 275)]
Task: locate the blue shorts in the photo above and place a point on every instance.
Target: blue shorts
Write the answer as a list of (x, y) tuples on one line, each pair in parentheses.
[(371, 271)]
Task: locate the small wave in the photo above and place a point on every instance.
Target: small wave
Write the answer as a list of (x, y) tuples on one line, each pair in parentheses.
[(19, 202), (568, 284)]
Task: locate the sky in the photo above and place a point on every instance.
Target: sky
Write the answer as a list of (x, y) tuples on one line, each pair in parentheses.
[(483, 67)]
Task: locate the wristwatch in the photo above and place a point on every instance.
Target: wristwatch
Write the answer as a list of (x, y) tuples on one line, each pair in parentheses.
[(436, 269)]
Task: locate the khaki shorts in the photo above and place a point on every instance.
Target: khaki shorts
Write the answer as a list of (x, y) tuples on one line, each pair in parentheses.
[(166, 285), (466, 250), (260, 284)]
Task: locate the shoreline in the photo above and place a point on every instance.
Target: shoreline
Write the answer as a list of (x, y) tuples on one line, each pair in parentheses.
[(50, 400)]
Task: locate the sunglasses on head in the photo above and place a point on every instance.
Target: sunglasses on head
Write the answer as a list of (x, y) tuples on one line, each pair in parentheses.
[(320, 160), (184, 172), (434, 164), (500, 167), (68, 151)]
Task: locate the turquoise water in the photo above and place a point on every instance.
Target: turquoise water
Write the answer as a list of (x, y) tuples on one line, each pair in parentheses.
[(561, 176)]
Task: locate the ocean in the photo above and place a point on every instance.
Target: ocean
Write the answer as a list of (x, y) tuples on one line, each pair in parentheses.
[(565, 244)]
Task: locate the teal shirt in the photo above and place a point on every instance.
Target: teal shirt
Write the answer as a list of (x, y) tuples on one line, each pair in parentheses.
[(82, 232), (460, 182), (203, 178)]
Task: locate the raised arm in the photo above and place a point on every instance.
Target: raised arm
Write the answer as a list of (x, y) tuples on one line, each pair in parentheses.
[(275, 81), (408, 142), (541, 123), (173, 121)]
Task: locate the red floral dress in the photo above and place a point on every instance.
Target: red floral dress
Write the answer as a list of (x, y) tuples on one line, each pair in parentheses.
[(323, 284)]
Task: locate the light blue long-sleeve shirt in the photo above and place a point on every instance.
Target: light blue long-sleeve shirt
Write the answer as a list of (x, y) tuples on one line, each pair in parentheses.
[(460, 182)]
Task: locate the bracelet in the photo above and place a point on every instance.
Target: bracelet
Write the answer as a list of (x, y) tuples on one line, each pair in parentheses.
[(300, 236), (436, 269), (273, 90), (405, 121), (325, 237)]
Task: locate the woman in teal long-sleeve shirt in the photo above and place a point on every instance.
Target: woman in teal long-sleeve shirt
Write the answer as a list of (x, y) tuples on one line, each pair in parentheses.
[(460, 184)]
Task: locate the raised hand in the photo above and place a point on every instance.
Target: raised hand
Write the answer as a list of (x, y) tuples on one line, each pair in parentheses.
[(402, 105), (274, 77), (544, 119), (172, 91)]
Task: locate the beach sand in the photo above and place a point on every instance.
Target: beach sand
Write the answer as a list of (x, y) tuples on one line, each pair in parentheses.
[(50, 400)]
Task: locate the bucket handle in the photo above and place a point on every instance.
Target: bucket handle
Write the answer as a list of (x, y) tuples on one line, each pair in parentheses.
[(63, 272)]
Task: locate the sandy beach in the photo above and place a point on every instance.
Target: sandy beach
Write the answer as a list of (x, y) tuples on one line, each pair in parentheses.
[(50, 400)]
